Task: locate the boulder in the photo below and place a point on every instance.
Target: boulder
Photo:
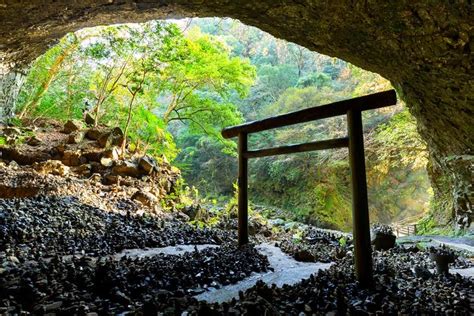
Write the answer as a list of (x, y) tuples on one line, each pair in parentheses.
[(146, 198), (126, 168), (304, 256), (10, 192), (73, 158), (94, 133), (96, 167), (104, 140), (33, 141), (75, 137), (92, 155), (89, 119), (57, 151), (55, 167), (83, 170), (14, 165), (71, 126), (106, 162), (110, 179), (23, 157), (116, 136), (113, 153), (147, 164)]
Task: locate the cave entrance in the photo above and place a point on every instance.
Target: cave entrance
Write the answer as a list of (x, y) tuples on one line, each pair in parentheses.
[(352, 108)]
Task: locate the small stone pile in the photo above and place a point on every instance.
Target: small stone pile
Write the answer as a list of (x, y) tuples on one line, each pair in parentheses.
[(110, 286), (47, 226), (317, 245)]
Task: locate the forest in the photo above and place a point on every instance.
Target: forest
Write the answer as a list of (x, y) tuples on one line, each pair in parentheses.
[(172, 86)]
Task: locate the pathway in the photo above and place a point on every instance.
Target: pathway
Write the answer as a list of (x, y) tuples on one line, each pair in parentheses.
[(286, 270)]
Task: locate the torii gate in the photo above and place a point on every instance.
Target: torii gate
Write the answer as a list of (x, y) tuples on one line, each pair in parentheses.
[(355, 141)]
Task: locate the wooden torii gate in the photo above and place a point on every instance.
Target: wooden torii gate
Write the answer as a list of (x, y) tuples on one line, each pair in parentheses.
[(355, 141)]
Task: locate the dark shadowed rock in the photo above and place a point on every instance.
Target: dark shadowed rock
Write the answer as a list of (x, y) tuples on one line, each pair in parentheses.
[(9, 192), (33, 141), (71, 126), (94, 133), (126, 168), (89, 119), (147, 164), (104, 140), (73, 158), (75, 137), (22, 156), (92, 155), (110, 179)]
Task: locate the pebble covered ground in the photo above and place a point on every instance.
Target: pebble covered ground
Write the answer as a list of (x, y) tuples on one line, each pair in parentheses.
[(55, 258), (62, 224)]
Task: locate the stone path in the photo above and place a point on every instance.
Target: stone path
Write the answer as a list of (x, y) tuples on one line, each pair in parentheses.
[(468, 273), (170, 250), (459, 243), (286, 270)]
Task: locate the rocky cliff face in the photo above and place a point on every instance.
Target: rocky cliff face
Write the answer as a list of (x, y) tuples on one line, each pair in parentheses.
[(425, 49)]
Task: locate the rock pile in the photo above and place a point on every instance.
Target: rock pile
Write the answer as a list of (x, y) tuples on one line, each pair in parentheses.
[(74, 153), (50, 226), (318, 246), (335, 291), (110, 286)]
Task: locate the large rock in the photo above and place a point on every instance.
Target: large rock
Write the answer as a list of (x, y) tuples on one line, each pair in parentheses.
[(113, 153), (83, 170), (146, 198), (126, 168), (72, 158), (110, 138), (23, 157), (55, 167), (94, 133), (147, 164), (89, 119), (75, 137), (10, 192), (71, 126), (92, 155)]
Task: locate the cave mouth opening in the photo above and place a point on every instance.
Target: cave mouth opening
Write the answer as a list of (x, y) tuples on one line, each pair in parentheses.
[(430, 69), (288, 77)]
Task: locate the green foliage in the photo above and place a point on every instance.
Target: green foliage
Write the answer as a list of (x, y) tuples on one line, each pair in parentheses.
[(315, 187), (150, 79)]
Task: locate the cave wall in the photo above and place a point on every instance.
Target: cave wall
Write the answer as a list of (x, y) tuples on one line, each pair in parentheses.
[(10, 84), (425, 48)]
